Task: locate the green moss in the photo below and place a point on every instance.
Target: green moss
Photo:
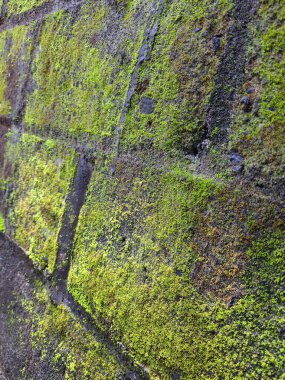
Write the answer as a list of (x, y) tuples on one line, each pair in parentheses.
[(132, 263), (65, 344), (147, 236), (184, 270), (260, 136), (133, 270), (4, 104), (16, 6), (179, 79), (43, 174), (83, 76), (251, 333)]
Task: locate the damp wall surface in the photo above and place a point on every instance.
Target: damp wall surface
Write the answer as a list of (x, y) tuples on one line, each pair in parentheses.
[(142, 177)]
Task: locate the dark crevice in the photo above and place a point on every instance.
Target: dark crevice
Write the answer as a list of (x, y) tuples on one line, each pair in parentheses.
[(73, 205), (37, 14), (231, 70), (144, 54)]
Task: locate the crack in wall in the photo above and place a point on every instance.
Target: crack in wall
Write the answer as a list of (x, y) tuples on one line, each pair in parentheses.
[(144, 54), (73, 205)]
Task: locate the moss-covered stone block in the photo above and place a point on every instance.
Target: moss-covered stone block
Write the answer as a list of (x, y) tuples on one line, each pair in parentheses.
[(15, 48), (82, 76), (178, 78), (43, 172), (17, 7)]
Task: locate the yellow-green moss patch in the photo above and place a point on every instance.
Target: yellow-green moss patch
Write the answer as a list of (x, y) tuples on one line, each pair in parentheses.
[(44, 170), (16, 6)]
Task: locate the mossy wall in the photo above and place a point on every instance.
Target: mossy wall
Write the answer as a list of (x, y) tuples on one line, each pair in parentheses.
[(16, 6), (37, 203), (178, 253)]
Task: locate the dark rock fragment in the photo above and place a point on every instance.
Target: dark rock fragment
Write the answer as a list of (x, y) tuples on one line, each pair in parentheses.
[(131, 376), (147, 106), (246, 102), (237, 162), (250, 90), (216, 43), (236, 158), (282, 333), (178, 272), (233, 301), (176, 376)]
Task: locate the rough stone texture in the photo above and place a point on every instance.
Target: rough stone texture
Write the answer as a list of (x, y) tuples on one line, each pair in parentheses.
[(147, 106), (17, 283), (142, 172)]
